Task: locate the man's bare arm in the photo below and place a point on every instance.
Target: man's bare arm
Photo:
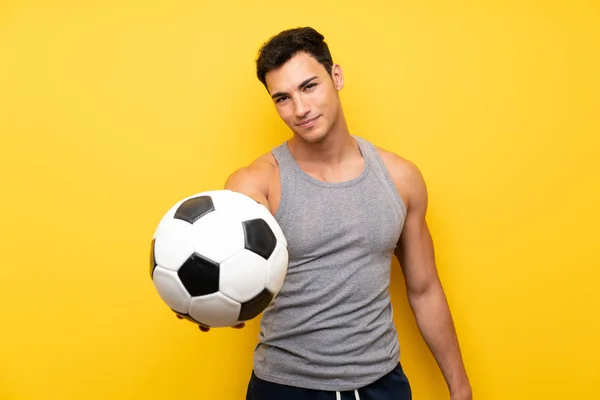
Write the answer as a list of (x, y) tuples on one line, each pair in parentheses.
[(415, 253)]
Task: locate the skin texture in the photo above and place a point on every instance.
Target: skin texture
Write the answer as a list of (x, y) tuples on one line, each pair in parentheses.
[(302, 91)]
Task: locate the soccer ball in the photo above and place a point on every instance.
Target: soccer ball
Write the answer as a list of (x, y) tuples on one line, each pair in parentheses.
[(218, 258)]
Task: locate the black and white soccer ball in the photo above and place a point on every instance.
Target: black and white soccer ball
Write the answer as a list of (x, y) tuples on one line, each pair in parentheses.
[(218, 258)]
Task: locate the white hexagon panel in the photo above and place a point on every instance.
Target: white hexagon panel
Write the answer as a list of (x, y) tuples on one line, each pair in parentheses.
[(277, 268), (174, 244), (171, 290), (215, 310), (243, 276), (217, 236)]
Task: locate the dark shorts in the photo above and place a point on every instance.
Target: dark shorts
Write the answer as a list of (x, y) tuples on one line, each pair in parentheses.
[(393, 386)]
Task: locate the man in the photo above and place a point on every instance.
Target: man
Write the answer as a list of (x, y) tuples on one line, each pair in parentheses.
[(346, 207)]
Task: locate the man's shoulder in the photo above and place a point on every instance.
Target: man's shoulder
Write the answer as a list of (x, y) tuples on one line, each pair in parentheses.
[(257, 173), (266, 161), (404, 173), (261, 167), (254, 179), (400, 168)]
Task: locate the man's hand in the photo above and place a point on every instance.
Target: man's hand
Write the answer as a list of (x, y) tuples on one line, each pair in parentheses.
[(205, 328), (464, 394)]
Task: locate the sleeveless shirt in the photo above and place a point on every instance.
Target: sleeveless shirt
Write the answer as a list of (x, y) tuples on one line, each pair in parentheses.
[(331, 325)]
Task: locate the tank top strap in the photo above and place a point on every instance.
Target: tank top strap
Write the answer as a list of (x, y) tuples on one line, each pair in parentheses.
[(287, 168), (373, 158), (367, 150), (286, 163), (283, 156)]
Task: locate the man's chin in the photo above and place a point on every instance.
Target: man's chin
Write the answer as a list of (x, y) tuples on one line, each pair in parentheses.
[(311, 137)]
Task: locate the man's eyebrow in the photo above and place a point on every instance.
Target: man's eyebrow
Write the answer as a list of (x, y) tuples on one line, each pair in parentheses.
[(300, 86)]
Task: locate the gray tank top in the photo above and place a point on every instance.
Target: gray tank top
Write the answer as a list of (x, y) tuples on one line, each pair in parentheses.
[(331, 326)]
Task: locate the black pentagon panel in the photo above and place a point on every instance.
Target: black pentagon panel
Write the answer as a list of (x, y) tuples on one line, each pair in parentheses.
[(199, 276), (152, 258), (195, 208), (255, 306), (259, 237)]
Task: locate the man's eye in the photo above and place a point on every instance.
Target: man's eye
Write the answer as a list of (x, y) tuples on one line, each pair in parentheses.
[(310, 86), (280, 99)]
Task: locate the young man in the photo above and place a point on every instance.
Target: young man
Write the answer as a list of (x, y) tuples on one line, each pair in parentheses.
[(346, 207)]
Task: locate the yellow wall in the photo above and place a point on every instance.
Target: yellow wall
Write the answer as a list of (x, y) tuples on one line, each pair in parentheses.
[(111, 111)]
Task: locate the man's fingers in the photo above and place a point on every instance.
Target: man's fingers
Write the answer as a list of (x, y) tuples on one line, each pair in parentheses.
[(204, 328)]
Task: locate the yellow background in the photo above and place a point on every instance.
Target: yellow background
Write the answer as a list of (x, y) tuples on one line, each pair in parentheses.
[(111, 111)]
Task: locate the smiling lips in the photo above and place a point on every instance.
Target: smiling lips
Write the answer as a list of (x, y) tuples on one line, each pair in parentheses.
[(307, 123)]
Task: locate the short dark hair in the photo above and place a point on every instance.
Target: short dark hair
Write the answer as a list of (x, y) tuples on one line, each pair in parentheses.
[(286, 44)]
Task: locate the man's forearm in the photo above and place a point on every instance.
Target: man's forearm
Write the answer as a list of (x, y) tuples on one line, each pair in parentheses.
[(437, 328)]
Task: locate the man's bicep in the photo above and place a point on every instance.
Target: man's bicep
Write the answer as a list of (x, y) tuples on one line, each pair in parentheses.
[(415, 255), (415, 247)]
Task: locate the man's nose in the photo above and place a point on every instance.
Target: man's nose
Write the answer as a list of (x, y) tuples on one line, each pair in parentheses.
[(302, 107)]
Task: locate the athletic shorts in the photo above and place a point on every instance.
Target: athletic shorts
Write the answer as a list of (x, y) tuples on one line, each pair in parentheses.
[(393, 386)]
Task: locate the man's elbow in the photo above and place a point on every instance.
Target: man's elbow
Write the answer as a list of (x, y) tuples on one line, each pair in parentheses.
[(423, 289)]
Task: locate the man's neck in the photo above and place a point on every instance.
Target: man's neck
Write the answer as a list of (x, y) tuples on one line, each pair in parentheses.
[(335, 148)]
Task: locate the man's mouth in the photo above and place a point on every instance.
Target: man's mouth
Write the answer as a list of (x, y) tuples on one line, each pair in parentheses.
[(307, 122)]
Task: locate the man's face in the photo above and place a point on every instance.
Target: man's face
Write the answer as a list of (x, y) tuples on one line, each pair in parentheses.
[(305, 96)]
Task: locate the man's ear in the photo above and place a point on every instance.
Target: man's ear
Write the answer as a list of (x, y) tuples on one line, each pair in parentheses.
[(337, 76)]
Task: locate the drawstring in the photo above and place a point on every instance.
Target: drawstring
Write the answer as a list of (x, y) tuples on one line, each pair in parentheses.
[(338, 396)]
